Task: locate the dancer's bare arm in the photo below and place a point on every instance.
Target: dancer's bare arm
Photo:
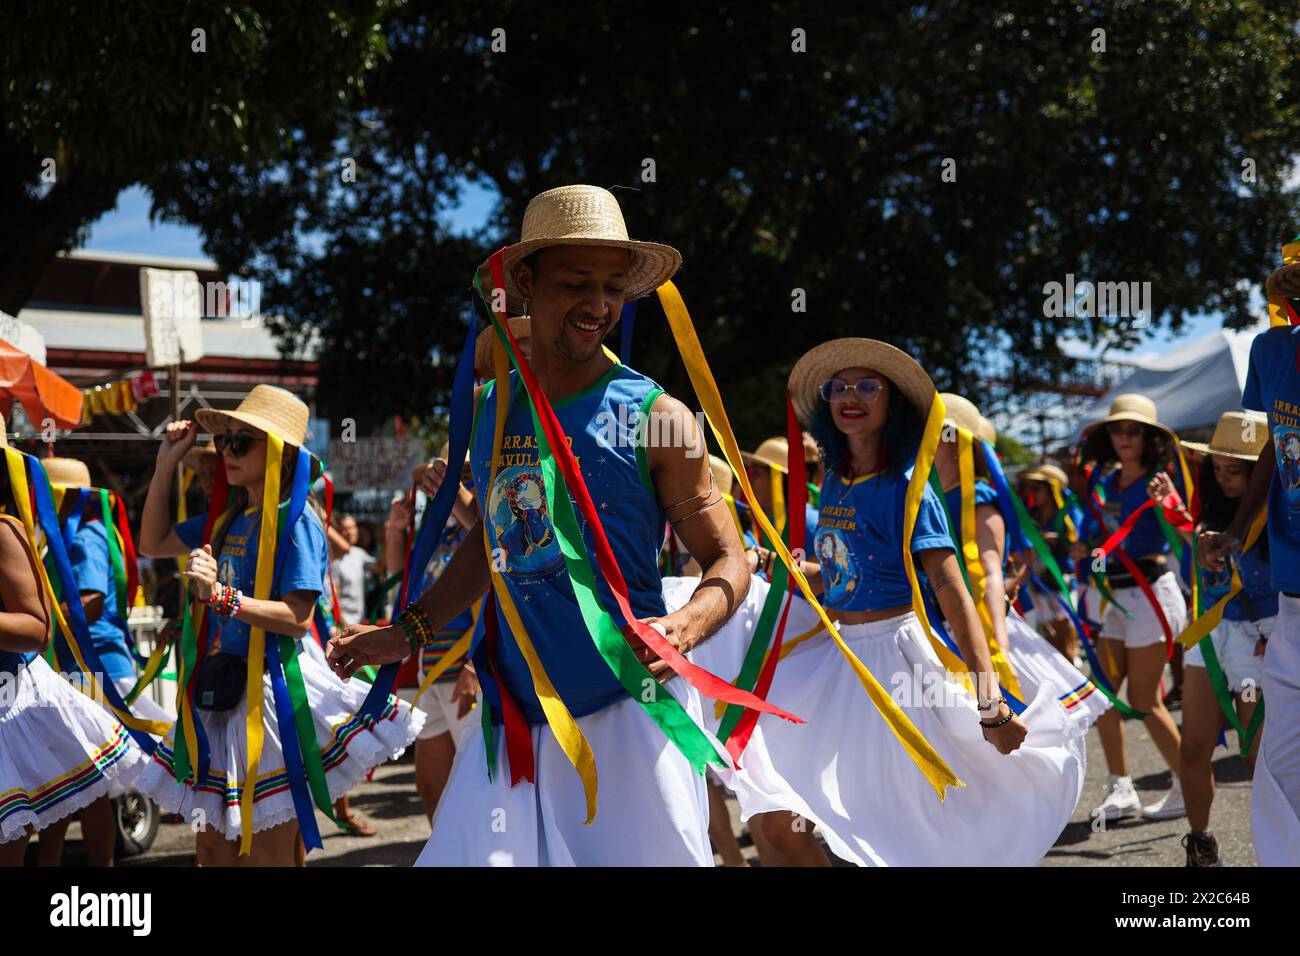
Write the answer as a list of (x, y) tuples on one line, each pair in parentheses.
[(25, 620)]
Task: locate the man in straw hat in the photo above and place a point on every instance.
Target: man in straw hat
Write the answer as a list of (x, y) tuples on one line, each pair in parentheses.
[(1273, 387), (574, 268)]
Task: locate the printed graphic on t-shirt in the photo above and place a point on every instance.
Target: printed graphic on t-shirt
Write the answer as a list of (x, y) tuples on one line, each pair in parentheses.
[(1286, 439), (232, 558), (521, 520), (839, 569)]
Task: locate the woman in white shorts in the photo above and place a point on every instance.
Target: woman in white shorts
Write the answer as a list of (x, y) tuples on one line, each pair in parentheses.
[(1239, 640), (1133, 639)]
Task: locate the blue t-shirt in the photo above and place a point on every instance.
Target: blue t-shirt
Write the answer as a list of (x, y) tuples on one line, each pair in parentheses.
[(1256, 587), (1146, 539), (984, 495), (1273, 387), (93, 570), (859, 540), (601, 423), (237, 564)]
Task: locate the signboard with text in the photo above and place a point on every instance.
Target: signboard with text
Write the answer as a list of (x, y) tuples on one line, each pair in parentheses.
[(374, 462)]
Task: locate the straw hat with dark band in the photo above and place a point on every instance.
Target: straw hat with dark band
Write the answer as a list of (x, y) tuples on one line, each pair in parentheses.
[(69, 472), (961, 412), (1047, 473), (1130, 408), (585, 216), (267, 408), (1230, 436), (521, 327), (193, 459), (824, 361), (774, 452)]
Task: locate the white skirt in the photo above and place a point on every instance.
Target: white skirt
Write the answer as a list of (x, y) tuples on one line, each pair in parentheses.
[(1036, 663), (652, 806), (1275, 791), (59, 751), (350, 747), (847, 772)]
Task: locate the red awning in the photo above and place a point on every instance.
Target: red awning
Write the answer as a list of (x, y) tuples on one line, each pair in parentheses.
[(43, 393)]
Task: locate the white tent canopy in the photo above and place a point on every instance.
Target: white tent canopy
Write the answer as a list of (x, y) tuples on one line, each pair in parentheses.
[(1192, 385)]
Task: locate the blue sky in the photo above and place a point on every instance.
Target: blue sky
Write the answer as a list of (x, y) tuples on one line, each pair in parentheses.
[(129, 229)]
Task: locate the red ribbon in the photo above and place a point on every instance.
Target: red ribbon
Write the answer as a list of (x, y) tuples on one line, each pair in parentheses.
[(706, 683), (128, 552), (519, 741), (1112, 546)]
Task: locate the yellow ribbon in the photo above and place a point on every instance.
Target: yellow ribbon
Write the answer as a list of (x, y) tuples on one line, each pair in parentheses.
[(918, 748), (1071, 532), (566, 730), (1277, 314), (1208, 621), (187, 476), (735, 513), (266, 540), (22, 493), (454, 653), (776, 479), (970, 553)]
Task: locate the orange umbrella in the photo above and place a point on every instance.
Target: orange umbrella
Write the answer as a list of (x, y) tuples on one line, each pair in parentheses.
[(43, 393)]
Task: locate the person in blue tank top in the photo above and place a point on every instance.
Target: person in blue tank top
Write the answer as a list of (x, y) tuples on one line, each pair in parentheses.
[(1133, 645), (1238, 642), (575, 268)]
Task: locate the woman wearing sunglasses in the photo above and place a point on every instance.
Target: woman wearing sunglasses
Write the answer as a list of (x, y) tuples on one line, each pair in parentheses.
[(1130, 449), (221, 574), (866, 402)]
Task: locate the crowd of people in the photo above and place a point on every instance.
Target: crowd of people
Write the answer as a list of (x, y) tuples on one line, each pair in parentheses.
[(877, 640)]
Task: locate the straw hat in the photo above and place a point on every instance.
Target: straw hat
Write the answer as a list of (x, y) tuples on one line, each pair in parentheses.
[(774, 452), (585, 216), (961, 412), (69, 472), (1130, 407), (822, 362), (267, 408), (521, 327), (722, 476), (193, 459), (1230, 436), (987, 431), (1284, 283), (1047, 473), (4, 439)]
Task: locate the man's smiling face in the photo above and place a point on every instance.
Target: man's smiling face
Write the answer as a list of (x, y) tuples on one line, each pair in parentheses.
[(575, 295)]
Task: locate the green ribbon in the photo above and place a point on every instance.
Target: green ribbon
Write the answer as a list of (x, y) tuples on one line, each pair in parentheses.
[(756, 653), (302, 720)]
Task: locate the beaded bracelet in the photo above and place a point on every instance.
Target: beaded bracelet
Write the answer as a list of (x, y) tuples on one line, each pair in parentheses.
[(225, 600), (1011, 715), (415, 622)]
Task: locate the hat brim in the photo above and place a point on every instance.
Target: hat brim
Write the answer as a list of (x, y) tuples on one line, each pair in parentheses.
[(749, 458), (521, 326), (1284, 282), (1203, 448), (1127, 417), (653, 264), (822, 362), (214, 421)]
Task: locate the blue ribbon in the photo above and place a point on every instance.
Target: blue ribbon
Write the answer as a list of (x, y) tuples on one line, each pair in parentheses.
[(436, 512), (58, 553), (628, 320)]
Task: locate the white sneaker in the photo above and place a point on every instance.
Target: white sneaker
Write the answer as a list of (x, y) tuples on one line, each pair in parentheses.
[(1121, 801), (1169, 806)]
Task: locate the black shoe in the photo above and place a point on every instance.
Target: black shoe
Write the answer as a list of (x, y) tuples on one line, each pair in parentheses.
[(1202, 849)]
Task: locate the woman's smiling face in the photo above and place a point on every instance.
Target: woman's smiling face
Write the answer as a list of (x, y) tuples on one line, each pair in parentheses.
[(853, 409)]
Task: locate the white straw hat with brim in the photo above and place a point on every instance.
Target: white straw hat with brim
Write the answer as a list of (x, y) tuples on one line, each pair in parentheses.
[(822, 362), (521, 327), (961, 412), (193, 459), (987, 431), (267, 408), (1130, 407), (774, 452), (722, 476), (1237, 435), (585, 216), (69, 472), (1047, 473)]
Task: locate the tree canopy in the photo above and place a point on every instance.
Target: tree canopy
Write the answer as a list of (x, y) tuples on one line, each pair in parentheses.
[(919, 172)]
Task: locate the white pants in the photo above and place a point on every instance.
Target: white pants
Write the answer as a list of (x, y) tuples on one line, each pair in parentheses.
[(1275, 794)]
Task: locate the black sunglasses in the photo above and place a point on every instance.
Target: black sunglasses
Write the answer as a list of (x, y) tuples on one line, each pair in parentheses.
[(238, 445)]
